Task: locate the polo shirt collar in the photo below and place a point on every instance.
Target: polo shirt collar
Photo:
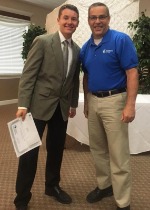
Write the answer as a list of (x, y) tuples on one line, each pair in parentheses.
[(105, 38)]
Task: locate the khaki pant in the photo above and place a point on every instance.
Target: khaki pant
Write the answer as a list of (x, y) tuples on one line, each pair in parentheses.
[(109, 145)]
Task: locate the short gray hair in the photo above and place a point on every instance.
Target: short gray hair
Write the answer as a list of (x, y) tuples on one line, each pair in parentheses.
[(99, 4)]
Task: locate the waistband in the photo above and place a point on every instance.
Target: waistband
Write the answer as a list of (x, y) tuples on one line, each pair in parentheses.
[(101, 94)]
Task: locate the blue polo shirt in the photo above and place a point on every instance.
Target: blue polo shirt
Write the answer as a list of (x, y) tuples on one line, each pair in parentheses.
[(106, 64)]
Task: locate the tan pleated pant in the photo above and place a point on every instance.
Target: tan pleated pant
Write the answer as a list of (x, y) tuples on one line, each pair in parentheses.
[(109, 145)]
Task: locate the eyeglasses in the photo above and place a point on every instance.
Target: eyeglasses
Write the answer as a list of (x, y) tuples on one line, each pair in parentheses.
[(100, 17)]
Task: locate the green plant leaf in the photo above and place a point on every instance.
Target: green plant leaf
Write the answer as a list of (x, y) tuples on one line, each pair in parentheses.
[(28, 37), (141, 39)]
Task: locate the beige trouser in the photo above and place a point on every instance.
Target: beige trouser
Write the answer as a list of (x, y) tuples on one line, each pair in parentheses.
[(109, 145)]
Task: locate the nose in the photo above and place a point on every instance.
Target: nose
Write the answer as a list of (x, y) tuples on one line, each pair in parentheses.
[(98, 20), (69, 21)]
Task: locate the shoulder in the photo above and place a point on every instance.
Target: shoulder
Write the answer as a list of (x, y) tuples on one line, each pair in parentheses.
[(84, 49), (85, 45), (46, 40), (45, 37), (119, 35)]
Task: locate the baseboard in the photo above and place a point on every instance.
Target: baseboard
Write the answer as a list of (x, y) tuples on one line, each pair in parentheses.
[(6, 102)]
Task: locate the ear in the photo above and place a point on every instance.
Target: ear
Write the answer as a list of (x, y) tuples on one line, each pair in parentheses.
[(58, 20)]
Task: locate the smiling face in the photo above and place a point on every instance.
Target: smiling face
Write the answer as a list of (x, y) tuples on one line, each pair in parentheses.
[(98, 21), (68, 22)]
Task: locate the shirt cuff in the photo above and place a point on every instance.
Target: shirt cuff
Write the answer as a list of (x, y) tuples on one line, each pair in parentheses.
[(21, 107)]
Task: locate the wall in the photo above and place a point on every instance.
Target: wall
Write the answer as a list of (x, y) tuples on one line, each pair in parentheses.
[(37, 14), (8, 89), (9, 86), (145, 5)]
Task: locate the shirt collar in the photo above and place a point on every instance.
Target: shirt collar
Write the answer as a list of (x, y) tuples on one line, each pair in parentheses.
[(62, 38)]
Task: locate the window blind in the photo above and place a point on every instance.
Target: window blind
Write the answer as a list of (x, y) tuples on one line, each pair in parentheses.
[(11, 40)]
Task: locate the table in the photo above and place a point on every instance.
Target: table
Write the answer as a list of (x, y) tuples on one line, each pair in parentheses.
[(139, 129), (77, 126)]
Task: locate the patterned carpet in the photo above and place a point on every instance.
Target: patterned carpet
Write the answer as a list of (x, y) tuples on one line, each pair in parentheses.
[(78, 175)]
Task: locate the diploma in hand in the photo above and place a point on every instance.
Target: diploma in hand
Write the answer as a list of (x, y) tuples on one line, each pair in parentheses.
[(24, 134)]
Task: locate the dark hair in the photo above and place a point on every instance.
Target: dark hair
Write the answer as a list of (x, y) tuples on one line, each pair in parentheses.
[(99, 4), (68, 6)]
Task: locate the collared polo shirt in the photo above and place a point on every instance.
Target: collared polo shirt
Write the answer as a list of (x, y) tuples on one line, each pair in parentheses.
[(106, 63)]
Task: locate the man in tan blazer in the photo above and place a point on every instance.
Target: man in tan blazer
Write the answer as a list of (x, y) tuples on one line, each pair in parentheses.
[(51, 95)]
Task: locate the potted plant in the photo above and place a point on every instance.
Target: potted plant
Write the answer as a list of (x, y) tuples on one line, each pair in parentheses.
[(141, 40), (29, 36)]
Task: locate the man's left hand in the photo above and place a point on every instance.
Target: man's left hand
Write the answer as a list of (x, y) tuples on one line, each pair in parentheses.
[(128, 114), (72, 112)]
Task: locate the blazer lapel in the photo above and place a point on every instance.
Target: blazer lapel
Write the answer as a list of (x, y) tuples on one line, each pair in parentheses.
[(56, 46)]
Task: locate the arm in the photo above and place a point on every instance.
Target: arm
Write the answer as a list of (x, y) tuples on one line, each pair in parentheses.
[(85, 88), (28, 78), (128, 113), (75, 93), (30, 73)]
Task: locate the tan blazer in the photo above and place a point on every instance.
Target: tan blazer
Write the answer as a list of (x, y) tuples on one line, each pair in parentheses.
[(41, 85)]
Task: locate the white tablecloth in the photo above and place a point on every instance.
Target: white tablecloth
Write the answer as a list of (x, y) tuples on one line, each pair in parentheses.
[(139, 129)]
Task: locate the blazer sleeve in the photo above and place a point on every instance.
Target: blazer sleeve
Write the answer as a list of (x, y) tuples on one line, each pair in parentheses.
[(75, 92), (30, 73)]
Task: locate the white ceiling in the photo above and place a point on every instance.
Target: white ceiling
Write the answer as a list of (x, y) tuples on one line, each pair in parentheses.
[(48, 4)]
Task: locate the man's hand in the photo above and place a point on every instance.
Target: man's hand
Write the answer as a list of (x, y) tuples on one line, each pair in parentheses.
[(128, 114), (21, 113), (72, 112)]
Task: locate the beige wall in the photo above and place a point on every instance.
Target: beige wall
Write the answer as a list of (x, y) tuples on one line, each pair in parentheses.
[(9, 87), (38, 14), (145, 5)]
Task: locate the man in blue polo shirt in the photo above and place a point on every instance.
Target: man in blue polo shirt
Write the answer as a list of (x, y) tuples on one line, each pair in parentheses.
[(110, 83)]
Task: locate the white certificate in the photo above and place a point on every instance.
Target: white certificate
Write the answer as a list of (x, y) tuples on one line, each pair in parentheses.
[(24, 134)]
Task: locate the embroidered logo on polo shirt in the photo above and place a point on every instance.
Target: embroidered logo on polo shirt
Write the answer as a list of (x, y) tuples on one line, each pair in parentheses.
[(107, 51)]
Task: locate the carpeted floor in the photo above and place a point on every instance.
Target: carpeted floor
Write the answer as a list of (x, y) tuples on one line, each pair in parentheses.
[(78, 175)]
